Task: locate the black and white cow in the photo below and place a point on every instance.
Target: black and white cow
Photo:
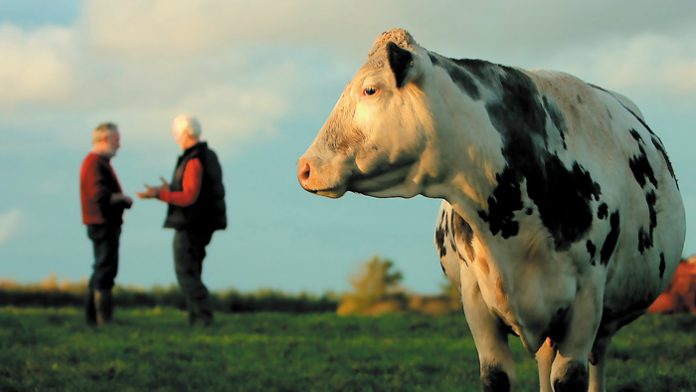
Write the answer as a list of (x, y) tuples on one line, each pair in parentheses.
[(561, 220)]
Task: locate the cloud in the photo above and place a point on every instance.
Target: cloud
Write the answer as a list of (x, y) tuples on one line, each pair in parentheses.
[(35, 64), (242, 66), (11, 222), (229, 110), (646, 63), (238, 96), (169, 28), (165, 27), (514, 33), (230, 115)]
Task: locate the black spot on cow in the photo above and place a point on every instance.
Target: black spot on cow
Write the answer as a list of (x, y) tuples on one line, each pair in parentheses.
[(486, 72), (459, 74), (440, 241), (611, 117), (452, 234), (662, 265), (636, 136), (602, 211), (464, 235), (529, 211), (506, 199), (640, 166), (611, 239), (440, 236), (558, 326), (658, 145), (557, 119), (518, 114), (645, 238), (650, 200), (591, 249), (562, 195), (579, 98), (433, 59)]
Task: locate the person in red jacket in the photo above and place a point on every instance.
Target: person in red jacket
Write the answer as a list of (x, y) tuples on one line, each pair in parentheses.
[(103, 202), (196, 209)]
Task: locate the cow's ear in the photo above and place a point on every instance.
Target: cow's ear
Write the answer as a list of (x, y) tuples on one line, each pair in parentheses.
[(401, 63)]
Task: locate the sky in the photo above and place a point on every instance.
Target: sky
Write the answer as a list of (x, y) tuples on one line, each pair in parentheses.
[(262, 78)]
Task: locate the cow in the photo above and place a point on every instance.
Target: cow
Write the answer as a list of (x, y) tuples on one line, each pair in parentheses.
[(561, 218)]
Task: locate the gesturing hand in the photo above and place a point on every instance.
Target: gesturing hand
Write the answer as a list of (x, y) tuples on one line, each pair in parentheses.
[(164, 186), (151, 192)]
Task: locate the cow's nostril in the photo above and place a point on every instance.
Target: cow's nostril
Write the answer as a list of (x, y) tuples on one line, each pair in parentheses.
[(304, 173)]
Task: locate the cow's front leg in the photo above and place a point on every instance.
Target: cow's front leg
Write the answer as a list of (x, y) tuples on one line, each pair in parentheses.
[(544, 357), (495, 359), (598, 363), (569, 370)]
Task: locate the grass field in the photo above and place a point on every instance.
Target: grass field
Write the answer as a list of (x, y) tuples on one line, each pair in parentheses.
[(155, 350)]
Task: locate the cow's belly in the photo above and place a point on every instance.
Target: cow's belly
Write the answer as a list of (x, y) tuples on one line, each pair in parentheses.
[(632, 285), (635, 279), (530, 299)]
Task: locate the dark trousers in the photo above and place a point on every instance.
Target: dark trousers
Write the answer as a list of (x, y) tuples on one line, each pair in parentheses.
[(105, 239), (189, 252)]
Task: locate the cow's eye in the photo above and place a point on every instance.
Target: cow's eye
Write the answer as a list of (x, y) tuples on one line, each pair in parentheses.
[(370, 91)]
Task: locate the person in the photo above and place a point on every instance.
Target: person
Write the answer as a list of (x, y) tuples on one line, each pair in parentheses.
[(196, 209), (103, 203)]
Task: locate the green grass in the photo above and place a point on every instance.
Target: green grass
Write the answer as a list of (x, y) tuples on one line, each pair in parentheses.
[(155, 350)]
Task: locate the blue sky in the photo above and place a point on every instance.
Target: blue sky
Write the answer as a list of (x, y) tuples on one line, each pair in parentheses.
[(262, 78)]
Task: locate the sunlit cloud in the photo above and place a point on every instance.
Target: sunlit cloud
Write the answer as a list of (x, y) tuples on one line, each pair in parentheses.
[(171, 29), (36, 65), (229, 115), (647, 63), (11, 222), (238, 65)]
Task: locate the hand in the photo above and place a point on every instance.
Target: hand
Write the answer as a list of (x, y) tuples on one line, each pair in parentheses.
[(165, 185), (151, 192), (128, 200), (117, 198)]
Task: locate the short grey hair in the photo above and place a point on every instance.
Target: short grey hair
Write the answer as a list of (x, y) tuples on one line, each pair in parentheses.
[(186, 124), (103, 130)]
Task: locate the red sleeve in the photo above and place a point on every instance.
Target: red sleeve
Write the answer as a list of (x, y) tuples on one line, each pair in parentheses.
[(191, 186)]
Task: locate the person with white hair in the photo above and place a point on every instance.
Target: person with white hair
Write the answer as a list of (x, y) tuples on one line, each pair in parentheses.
[(103, 202), (196, 209)]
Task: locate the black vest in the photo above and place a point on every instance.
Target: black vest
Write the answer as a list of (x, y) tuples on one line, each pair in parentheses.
[(208, 212)]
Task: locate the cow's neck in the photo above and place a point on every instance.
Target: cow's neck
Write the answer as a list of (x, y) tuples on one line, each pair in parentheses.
[(468, 148)]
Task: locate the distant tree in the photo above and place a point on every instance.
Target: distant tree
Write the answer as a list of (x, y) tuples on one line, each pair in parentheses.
[(377, 278), (376, 289)]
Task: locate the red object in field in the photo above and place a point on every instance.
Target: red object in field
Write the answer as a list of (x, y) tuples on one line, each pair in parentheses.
[(681, 294)]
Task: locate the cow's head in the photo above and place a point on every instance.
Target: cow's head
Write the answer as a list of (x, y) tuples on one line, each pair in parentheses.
[(376, 140)]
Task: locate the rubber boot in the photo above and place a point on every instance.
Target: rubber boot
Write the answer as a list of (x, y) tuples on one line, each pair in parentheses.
[(90, 308), (104, 305), (206, 312), (200, 312)]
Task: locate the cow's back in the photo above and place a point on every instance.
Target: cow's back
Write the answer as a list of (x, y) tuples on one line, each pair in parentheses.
[(638, 222)]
